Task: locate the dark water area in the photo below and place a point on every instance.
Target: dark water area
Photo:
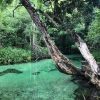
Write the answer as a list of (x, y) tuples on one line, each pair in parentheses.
[(42, 81), (85, 90)]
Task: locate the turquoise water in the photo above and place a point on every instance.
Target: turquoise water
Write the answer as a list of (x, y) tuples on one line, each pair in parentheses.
[(36, 81)]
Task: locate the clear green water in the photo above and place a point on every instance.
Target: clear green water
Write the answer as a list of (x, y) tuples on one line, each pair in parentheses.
[(38, 81)]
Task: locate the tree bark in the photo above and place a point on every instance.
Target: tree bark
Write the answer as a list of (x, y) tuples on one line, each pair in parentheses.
[(82, 46), (62, 62), (92, 69)]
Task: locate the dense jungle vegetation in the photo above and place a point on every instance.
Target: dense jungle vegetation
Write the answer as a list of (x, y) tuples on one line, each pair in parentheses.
[(34, 30), (20, 40)]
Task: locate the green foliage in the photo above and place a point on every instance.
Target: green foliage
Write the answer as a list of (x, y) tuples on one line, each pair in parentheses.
[(18, 31), (93, 36), (94, 31), (71, 13), (15, 31), (96, 54), (6, 1), (40, 53), (10, 55)]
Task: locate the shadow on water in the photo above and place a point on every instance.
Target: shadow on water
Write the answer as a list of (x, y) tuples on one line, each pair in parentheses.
[(85, 91), (10, 71), (37, 73)]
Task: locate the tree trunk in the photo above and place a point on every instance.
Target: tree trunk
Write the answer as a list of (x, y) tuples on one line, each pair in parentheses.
[(92, 68), (62, 62), (81, 45)]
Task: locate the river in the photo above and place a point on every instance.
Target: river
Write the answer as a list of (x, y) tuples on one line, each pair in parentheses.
[(38, 81)]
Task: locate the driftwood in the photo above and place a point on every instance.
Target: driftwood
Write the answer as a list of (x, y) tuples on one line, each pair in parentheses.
[(63, 63)]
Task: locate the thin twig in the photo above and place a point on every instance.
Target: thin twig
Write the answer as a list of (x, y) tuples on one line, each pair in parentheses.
[(16, 8)]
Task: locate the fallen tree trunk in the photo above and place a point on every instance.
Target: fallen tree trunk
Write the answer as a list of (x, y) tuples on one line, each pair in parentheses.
[(81, 45), (63, 63), (92, 68)]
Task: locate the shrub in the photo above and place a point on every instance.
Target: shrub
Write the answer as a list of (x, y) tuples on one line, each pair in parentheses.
[(40, 53), (93, 36), (15, 31), (10, 55)]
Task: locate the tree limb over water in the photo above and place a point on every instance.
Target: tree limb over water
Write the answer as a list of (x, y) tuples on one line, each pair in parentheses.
[(64, 65)]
